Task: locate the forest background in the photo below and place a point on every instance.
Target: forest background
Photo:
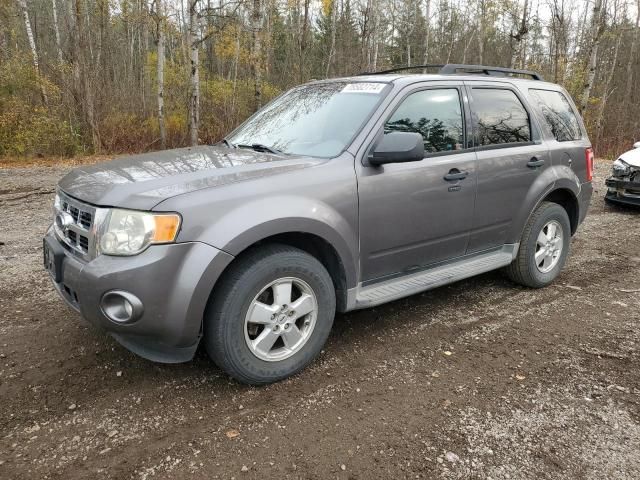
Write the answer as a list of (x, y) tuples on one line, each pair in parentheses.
[(81, 77)]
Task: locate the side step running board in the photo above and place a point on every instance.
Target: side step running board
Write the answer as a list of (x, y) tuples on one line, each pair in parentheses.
[(411, 284)]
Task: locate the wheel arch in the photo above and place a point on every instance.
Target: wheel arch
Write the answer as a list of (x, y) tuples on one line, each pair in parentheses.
[(319, 248), (318, 240), (567, 200), (555, 186)]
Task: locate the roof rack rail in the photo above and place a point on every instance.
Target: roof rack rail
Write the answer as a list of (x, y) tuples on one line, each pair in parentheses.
[(454, 68), (401, 69)]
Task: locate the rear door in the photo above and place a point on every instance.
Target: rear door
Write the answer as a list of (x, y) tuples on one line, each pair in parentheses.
[(511, 154)]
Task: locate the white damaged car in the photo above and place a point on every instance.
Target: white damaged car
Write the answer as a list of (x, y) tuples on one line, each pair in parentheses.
[(623, 186)]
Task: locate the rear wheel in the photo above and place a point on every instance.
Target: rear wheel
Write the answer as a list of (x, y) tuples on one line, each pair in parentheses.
[(270, 314), (544, 247)]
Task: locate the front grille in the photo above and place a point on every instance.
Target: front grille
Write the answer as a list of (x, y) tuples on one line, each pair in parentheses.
[(85, 219), (73, 221)]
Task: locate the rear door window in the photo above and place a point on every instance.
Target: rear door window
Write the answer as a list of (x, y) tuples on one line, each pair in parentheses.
[(558, 114), (499, 117), (436, 114)]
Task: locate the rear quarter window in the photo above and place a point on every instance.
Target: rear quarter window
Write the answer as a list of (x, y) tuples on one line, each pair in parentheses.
[(558, 114)]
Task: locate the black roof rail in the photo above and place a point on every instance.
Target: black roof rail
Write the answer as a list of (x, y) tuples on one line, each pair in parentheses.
[(401, 69), (453, 68)]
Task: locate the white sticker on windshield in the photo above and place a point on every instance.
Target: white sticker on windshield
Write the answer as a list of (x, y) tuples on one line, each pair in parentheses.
[(364, 87)]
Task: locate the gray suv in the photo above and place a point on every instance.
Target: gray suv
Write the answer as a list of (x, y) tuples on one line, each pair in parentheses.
[(338, 195)]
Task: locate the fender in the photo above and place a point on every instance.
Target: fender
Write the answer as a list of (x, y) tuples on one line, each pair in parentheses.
[(321, 200), (247, 223), (558, 177)]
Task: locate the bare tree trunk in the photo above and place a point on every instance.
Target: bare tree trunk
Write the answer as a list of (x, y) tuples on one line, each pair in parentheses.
[(606, 92), (466, 47), (194, 78), (519, 36), (160, 72), (332, 48), (596, 32), (256, 64), (427, 33), (375, 36), (56, 29), (410, 29), (84, 92), (32, 45), (365, 37), (143, 48), (236, 61), (481, 32), (303, 40), (632, 55)]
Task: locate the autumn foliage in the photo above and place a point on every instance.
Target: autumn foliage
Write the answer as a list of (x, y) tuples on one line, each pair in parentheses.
[(81, 76)]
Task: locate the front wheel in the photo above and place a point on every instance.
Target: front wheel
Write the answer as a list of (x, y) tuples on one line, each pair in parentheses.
[(270, 315), (544, 247)]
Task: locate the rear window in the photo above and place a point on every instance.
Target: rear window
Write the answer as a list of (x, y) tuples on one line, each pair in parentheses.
[(500, 117), (558, 114)]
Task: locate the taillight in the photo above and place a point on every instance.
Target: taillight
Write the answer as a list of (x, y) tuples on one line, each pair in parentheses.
[(588, 155)]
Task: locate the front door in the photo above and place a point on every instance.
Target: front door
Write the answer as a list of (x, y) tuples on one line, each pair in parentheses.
[(417, 214)]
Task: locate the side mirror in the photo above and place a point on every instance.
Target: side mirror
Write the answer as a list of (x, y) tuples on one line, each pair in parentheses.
[(636, 145), (396, 147)]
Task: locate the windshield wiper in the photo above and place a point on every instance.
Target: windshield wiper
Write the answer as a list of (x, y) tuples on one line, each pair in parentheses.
[(228, 143), (258, 147)]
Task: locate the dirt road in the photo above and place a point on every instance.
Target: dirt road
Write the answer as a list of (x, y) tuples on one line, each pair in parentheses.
[(481, 379)]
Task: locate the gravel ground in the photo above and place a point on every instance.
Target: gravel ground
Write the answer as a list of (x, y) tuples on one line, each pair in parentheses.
[(480, 379)]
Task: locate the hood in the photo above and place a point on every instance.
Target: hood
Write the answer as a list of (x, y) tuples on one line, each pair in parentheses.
[(632, 157), (142, 181)]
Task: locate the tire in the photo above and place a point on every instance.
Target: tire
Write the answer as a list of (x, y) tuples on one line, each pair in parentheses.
[(234, 342), (525, 269)]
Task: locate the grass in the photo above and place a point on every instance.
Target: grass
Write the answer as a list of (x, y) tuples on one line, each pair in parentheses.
[(25, 162)]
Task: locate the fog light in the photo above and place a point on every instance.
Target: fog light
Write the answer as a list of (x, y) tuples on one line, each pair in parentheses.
[(121, 307)]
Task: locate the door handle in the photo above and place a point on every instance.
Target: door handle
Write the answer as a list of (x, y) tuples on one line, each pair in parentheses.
[(455, 174), (535, 162)]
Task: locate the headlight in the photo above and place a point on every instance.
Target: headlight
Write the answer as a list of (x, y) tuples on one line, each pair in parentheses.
[(621, 168), (129, 232)]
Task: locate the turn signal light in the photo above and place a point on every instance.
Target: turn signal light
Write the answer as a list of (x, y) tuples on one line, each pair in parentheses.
[(166, 228)]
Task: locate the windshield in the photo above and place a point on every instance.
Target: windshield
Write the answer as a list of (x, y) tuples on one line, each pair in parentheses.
[(316, 120)]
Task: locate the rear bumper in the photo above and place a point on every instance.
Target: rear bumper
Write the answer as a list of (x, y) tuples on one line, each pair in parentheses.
[(173, 283), (584, 200), (622, 191)]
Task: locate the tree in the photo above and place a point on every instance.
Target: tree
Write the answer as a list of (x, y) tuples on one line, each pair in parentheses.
[(256, 61), (160, 33), (56, 29), (632, 53), (427, 32), (597, 27), (193, 42), (32, 45), (518, 37), (215, 61)]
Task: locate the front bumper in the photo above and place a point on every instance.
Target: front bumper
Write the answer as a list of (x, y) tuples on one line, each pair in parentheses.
[(173, 282), (622, 191)]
